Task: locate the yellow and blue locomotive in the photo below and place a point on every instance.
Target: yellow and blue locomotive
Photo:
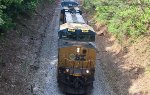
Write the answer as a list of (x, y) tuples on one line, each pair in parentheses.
[(69, 3), (76, 55)]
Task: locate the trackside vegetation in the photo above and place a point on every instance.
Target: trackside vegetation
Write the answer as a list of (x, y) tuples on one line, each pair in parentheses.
[(11, 9), (124, 18)]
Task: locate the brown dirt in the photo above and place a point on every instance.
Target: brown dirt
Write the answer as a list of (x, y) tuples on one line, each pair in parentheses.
[(125, 66), (19, 49)]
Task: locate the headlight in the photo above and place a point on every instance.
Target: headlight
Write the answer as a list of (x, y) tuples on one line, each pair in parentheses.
[(87, 71), (85, 30), (67, 70), (71, 30), (78, 50)]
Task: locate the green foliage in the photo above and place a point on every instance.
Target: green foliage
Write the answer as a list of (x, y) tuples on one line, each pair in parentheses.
[(1, 13), (123, 17), (11, 9)]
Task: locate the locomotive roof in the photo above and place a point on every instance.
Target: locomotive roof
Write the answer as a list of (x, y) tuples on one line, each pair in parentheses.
[(74, 18), (76, 26), (66, 43)]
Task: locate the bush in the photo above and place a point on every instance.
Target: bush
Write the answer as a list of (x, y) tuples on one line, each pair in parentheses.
[(123, 18), (11, 9)]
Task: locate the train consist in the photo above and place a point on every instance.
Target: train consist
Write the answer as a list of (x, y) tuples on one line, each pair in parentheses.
[(76, 54)]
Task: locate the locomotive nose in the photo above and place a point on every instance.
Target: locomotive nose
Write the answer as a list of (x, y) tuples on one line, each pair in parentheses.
[(78, 83)]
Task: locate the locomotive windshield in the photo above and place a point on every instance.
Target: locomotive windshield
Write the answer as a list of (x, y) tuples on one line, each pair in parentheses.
[(85, 38)]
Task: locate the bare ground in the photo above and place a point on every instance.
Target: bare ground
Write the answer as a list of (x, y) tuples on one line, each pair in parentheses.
[(126, 66), (19, 50)]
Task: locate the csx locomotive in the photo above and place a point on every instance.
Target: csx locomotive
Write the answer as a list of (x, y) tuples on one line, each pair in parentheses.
[(76, 54), (69, 3)]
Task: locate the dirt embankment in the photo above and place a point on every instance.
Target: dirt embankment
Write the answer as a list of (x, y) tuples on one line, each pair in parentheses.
[(126, 66), (19, 50)]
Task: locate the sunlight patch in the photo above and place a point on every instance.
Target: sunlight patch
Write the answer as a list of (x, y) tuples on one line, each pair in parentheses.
[(53, 62)]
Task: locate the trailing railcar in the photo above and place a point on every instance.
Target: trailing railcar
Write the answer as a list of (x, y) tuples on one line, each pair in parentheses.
[(76, 66), (69, 3)]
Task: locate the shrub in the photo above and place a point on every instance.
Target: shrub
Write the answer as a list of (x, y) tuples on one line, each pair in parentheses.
[(123, 18), (11, 9)]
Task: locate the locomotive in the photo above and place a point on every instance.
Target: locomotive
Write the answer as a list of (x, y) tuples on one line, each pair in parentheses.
[(69, 3), (76, 54), (76, 66)]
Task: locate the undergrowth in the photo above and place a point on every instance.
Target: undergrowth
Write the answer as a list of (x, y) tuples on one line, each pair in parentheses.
[(124, 19), (12, 9)]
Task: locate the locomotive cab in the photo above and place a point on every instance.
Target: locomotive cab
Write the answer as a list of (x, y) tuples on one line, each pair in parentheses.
[(76, 66)]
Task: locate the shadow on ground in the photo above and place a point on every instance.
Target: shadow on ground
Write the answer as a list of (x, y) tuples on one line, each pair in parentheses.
[(112, 61), (19, 49)]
